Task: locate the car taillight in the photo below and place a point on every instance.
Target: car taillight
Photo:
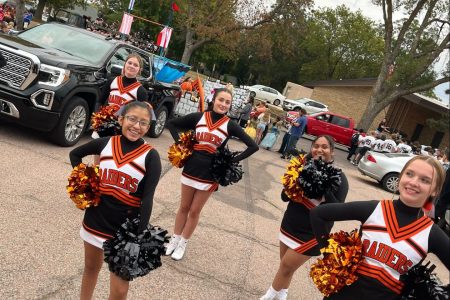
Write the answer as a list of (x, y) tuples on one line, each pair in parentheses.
[(371, 158)]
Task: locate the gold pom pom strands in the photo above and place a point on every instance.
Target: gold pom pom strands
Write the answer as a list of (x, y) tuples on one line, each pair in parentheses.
[(104, 115), (290, 179), (338, 267), (83, 187), (180, 152)]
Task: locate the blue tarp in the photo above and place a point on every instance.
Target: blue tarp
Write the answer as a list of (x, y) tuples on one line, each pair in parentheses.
[(169, 70)]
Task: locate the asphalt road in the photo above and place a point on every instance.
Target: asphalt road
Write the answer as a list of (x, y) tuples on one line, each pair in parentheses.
[(232, 255)]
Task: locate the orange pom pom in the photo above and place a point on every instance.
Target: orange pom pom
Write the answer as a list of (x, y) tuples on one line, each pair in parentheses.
[(341, 258), (289, 180), (104, 115), (180, 152), (83, 187)]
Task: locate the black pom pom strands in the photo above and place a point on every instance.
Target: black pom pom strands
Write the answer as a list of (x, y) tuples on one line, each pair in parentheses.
[(318, 177), (131, 254), (223, 169), (422, 284)]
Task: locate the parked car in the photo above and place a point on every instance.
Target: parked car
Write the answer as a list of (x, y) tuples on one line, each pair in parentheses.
[(311, 106), (384, 167), (266, 93), (341, 128), (55, 74)]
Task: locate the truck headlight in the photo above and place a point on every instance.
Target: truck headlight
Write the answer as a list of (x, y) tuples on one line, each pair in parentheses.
[(52, 76)]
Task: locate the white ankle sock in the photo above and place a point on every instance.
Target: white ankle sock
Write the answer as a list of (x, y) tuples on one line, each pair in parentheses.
[(282, 294), (270, 294), (182, 239)]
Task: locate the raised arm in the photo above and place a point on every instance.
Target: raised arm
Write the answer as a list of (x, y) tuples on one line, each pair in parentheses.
[(235, 130), (153, 173)]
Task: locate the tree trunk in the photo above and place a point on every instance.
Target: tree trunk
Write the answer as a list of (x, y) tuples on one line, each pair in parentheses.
[(187, 53), (190, 46), (20, 10), (39, 10)]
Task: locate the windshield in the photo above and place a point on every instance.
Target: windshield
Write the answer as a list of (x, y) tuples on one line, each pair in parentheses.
[(70, 41)]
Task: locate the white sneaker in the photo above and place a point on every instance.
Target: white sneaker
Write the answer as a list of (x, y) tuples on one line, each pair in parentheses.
[(173, 243), (179, 251)]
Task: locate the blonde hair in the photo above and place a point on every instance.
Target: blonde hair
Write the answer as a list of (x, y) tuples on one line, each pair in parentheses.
[(438, 173), (266, 116)]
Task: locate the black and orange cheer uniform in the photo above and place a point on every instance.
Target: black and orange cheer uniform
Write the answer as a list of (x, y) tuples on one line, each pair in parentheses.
[(129, 172), (395, 238), (296, 231), (121, 90), (211, 131)]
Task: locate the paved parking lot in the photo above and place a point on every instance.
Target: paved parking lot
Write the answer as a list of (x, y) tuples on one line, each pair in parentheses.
[(232, 255)]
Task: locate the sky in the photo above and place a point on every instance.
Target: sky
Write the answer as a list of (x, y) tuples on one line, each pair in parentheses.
[(374, 12)]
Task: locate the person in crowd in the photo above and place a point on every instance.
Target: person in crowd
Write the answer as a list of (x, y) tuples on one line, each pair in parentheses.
[(296, 132), (186, 85), (250, 129), (263, 122), (356, 137), (367, 143), (399, 227), (427, 151), (287, 133), (297, 242), (260, 108), (130, 155), (379, 143), (212, 130), (27, 17), (382, 127), (245, 111), (403, 146), (271, 138), (389, 145), (416, 147), (230, 87)]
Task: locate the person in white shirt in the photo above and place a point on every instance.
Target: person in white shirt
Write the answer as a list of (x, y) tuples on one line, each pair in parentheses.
[(389, 146), (366, 145), (403, 147), (378, 144)]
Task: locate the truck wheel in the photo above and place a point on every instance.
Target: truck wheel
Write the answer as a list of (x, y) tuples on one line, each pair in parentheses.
[(276, 102), (390, 182), (72, 123), (161, 119)]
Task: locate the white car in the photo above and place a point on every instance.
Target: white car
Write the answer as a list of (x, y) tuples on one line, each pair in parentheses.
[(384, 167), (266, 93), (311, 106)]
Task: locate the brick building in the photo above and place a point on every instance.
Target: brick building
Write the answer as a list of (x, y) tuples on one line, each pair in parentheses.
[(408, 114)]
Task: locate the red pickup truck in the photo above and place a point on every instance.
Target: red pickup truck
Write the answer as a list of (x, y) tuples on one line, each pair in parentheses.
[(341, 128)]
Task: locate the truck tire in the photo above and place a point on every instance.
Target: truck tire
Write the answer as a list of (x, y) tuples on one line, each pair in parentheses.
[(157, 127), (390, 182), (72, 124), (276, 102)]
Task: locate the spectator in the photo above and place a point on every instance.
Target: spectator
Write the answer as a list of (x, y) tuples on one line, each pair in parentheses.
[(296, 132), (245, 112), (379, 143), (366, 146), (356, 137)]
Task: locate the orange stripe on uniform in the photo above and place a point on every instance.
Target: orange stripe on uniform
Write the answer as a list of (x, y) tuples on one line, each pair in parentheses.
[(96, 232)]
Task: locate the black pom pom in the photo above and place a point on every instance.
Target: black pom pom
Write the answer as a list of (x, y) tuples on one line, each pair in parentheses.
[(422, 284), (110, 128), (318, 177), (223, 169), (130, 255)]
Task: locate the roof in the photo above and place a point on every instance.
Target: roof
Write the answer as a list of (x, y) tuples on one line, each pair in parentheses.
[(427, 102), (369, 82)]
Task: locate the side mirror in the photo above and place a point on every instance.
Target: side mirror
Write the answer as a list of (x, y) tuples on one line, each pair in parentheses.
[(116, 70)]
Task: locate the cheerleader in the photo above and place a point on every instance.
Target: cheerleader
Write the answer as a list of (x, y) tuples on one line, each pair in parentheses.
[(129, 172), (212, 129), (396, 235), (297, 242)]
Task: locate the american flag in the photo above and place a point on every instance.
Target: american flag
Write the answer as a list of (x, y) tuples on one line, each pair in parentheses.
[(125, 27)]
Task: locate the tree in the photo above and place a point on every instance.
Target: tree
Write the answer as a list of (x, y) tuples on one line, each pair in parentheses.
[(208, 21), (340, 44), (411, 47), (440, 124), (20, 11)]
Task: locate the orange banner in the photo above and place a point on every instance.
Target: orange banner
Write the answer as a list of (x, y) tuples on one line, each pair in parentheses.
[(198, 86)]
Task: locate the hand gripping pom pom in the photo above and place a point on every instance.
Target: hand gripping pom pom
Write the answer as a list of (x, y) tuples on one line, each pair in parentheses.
[(180, 152), (318, 177), (422, 284), (224, 171), (83, 187), (104, 122), (341, 258), (289, 180), (130, 255)]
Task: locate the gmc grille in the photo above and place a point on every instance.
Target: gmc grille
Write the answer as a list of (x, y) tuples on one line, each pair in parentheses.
[(21, 68)]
